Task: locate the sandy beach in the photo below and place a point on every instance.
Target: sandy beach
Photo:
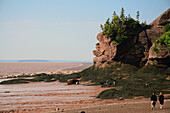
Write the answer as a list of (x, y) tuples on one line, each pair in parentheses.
[(128, 106)]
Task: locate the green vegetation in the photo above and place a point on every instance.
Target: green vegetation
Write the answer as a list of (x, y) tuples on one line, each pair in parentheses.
[(155, 48), (137, 16), (166, 28), (164, 40), (121, 27)]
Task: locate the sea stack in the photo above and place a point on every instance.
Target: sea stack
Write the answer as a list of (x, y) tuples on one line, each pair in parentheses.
[(137, 50)]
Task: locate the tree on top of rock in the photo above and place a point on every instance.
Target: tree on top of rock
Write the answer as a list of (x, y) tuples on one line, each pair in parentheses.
[(129, 16), (137, 16), (122, 16), (114, 14), (121, 28)]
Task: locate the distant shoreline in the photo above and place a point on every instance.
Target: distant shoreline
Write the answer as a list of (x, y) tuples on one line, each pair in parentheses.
[(59, 61), (65, 70)]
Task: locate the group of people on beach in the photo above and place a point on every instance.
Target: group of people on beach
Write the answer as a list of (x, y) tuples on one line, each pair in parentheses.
[(108, 83), (154, 100)]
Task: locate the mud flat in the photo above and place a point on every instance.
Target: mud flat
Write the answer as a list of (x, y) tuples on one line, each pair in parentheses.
[(41, 96), (48, 97)]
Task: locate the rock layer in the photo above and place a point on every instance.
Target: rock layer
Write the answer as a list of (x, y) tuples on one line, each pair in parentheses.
[(133, 50)]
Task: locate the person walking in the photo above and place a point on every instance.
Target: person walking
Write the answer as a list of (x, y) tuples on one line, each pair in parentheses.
[(153, 100), (161, 100)]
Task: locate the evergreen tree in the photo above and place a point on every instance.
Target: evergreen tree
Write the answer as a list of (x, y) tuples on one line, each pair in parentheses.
[(107, 22), (129, 16), (126, 18), (122, 16), (106, 26), (137, 16), (120, 28), (101, 26), (114, 14), (145, 22), (116, 20)]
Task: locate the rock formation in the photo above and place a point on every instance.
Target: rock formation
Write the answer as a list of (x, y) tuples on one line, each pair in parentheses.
[(163, 56), (72, 81), (133, 50)]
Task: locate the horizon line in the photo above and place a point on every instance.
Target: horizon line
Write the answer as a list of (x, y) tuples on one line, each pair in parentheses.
[(47, 61)]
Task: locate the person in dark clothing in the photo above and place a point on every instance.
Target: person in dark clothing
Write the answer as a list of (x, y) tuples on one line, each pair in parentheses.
[(153, 100), (161, 100)]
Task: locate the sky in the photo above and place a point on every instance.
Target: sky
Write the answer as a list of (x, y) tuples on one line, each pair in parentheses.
[(62, 29)]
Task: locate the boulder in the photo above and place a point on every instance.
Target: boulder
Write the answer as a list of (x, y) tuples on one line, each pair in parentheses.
[(162, 54), (72, 81), (162, 57)]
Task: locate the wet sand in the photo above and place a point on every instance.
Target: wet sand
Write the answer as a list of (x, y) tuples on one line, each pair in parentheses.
[(41, 96), (128, 106), (44, 97), (48, 97)]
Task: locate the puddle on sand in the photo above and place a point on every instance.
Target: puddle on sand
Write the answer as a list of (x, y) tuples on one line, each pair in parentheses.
[(41, 94)]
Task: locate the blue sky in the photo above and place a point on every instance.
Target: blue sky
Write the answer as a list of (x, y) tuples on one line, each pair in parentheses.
[(62, 29)]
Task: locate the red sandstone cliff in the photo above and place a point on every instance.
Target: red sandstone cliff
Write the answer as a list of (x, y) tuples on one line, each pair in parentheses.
[(133, 50)]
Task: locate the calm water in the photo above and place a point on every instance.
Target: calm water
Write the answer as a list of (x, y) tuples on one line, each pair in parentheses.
[(14, 68)]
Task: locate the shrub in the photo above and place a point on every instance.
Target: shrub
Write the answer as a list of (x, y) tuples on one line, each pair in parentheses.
[(164, 40), (166, 28), (156, 49)]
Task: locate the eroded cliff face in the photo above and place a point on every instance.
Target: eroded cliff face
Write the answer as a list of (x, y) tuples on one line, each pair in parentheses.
[(133, 50)]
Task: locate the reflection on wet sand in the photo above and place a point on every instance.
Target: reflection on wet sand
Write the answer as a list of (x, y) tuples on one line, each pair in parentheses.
[(40, 96)]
